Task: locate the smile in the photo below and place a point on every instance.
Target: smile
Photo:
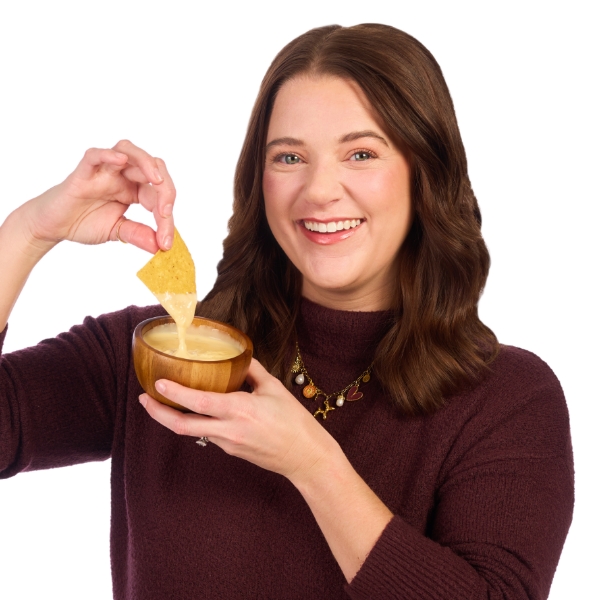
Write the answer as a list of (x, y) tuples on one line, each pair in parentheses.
[(331, 226)]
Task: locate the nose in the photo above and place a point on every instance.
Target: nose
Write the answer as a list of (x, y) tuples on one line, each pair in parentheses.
[(323, 184)]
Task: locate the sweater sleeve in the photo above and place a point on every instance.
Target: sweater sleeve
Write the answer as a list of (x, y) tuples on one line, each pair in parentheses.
[(503, 508), (58, 399)]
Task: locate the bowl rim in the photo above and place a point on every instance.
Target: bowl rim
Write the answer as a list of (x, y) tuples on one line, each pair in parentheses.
[(138, 337)]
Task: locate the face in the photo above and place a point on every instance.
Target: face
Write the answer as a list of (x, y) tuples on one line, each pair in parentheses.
[(337, 193)]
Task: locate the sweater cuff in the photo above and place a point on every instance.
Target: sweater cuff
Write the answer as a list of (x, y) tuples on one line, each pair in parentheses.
[(406, 564)]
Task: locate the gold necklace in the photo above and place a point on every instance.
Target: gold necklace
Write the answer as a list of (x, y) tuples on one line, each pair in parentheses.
[(310, 390)]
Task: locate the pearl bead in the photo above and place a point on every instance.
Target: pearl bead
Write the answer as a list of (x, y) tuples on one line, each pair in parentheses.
[(339, 401), (299, 379)]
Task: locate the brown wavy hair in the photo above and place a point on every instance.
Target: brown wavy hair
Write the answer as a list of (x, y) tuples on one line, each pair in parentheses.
[(436, 343)]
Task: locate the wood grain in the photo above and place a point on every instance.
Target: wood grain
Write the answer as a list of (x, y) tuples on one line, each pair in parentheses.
[(215, 376)]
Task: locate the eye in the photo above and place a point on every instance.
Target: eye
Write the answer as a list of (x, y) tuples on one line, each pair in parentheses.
[(362, 155), (288, 159)]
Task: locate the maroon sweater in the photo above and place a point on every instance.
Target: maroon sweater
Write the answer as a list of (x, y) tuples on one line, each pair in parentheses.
[(482, 491)]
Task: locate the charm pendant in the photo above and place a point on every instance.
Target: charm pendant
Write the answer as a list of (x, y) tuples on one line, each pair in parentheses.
[(353, 394), (309, 391), (299, 379), (340, 400), (323, 411), (296, 366)]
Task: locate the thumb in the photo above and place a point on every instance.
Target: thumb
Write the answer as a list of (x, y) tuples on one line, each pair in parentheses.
[(136, 234), (257, 374)]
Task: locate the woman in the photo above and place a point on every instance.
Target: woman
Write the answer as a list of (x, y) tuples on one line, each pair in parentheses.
[(437, 464)]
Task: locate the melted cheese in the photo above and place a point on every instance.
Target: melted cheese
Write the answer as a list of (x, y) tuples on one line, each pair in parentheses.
[(181, 307), (201, 343)]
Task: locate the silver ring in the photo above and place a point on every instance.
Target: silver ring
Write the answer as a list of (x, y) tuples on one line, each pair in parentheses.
[(202, 441)]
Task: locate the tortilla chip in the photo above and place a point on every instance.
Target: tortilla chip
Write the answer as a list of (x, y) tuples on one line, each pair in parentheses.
[(170, 271)]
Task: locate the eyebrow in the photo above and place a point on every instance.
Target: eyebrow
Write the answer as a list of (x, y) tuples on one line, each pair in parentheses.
[(349, 137), (356, 135), (285, 141)]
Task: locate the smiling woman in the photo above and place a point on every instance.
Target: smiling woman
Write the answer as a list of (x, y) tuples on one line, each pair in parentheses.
[(417, 249), (385, 445)]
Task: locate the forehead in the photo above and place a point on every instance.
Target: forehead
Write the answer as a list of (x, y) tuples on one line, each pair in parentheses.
[(320, 104)]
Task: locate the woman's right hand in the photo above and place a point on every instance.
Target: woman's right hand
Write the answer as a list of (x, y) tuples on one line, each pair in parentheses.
[(89, 206)]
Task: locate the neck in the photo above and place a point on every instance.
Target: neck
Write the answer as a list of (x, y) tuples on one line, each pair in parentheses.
[(347, 340)]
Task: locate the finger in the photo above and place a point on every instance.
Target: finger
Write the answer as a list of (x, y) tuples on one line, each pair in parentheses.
[(162, 195), (136, 234), (134, 174), (198, 401), (159, 199), (163, 213), (140, 158), (180, 423), (96, 157), (257, 374)]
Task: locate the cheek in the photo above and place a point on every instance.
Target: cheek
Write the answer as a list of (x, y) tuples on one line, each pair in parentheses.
[(270, 196), (382, 191), (281, 193), (277, 207), (269, 185), (275, 190), (385, 198)]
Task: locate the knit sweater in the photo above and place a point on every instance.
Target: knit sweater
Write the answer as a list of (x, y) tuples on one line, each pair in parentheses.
[(481, 491)]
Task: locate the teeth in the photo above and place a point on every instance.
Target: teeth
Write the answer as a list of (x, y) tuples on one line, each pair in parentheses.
[(331, 226)]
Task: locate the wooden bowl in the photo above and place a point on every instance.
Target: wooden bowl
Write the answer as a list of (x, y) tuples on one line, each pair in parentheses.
[(214, 376)]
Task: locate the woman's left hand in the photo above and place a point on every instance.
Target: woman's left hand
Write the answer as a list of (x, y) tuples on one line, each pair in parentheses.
[(267, 427)]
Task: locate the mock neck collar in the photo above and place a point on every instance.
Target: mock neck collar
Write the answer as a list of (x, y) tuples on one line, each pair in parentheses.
[(336, 345)]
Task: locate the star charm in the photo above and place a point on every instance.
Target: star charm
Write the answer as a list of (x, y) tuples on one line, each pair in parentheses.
[(323, 411)]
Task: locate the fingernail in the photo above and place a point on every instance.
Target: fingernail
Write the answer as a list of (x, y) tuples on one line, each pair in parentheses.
[(168, 242), (121, 155), (157, 175), (160, 386), (168, 210), (143, 400)]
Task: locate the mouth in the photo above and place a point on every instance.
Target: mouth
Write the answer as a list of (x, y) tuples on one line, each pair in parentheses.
[(326, 233), (331, 226)]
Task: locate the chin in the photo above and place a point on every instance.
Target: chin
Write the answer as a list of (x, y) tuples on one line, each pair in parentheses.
[(332, 268), (330, 282)]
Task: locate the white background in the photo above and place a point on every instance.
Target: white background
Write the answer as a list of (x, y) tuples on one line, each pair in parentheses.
[(180, 82)]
